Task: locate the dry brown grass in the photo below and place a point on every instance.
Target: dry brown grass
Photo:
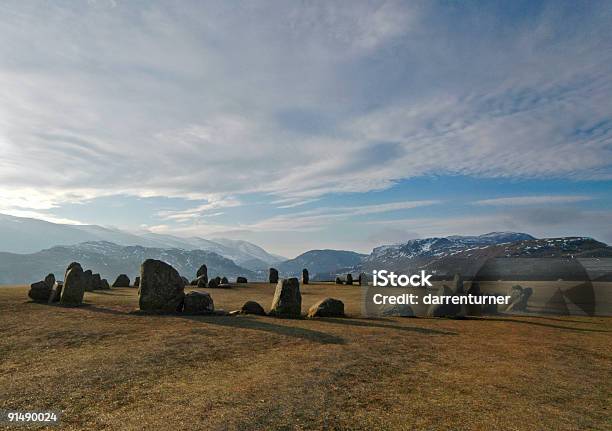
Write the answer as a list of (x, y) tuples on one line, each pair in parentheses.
[(105, 368)]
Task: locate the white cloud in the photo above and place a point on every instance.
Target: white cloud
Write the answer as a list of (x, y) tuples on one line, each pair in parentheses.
[(533, 200)]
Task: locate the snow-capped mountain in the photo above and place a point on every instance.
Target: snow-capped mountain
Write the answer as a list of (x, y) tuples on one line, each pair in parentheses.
[(27, 235), (440, 247)]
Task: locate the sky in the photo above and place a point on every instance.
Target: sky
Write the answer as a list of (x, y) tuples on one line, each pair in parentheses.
[(307, 125)]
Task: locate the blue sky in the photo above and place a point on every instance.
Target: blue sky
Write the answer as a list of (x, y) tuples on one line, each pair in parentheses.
[(300, 125)]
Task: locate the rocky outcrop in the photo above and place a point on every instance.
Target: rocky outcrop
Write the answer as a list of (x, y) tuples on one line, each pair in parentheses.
[(287, 300), (161, 287), (328, 307), (198, 303)]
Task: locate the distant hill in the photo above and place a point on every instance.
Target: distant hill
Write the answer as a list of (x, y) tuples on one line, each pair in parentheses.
[(321, 262), (109, 260), (521, 257), (27, 235)]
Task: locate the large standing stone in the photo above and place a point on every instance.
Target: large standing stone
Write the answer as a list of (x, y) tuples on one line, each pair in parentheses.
[(185, 280), (363, 279), (273, 275), (137, 281), (74, 287), (252, 307), (40, 291), (88, 280), (349, 279), (70, 266), (328, 307), (123, 281), (305, 278), (104, 284), (241, 280), (161, 287), (287, 300), (224, 280), (198, 303), (212, 284), (339, 280)]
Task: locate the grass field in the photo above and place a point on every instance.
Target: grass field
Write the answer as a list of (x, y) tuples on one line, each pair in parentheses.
[(105, 368)]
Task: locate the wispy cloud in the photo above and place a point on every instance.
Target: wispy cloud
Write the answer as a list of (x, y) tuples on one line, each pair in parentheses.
[(533, 200)]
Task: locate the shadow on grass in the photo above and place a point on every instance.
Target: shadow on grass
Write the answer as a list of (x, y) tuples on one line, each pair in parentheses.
[(102, 310), (245, 322), (368, 324), (547, 325), (108, 292)]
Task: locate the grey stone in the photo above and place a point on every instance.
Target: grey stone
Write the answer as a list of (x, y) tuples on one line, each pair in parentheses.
[(241, 280), (252, 307), (398, 310), (161, 287), (287, 300), (328, 307), (74, 287), (40, 291), (123, 281), (339, 280), (305, 278), (198, 303), (349, 279), (273, 277), (56, 292)]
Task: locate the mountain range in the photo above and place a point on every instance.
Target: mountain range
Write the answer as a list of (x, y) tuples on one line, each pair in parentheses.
[(27, 235), (111, 251)]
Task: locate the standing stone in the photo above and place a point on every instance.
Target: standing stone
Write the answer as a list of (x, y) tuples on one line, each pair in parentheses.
[(305, 278), (224, 280), (241, 280), (212, 284), (88, 280), (74, 287), (40, 291), (202, 282), (339, 280), (198, 303), (185, 280), (137, 281), (104, 284), (273, 275), (123, 281), (363, 279), (96, 282), (287, 300), (328, 307), (161, 287), (70, 266), (349, 279), (56, 293), (203, 270)]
